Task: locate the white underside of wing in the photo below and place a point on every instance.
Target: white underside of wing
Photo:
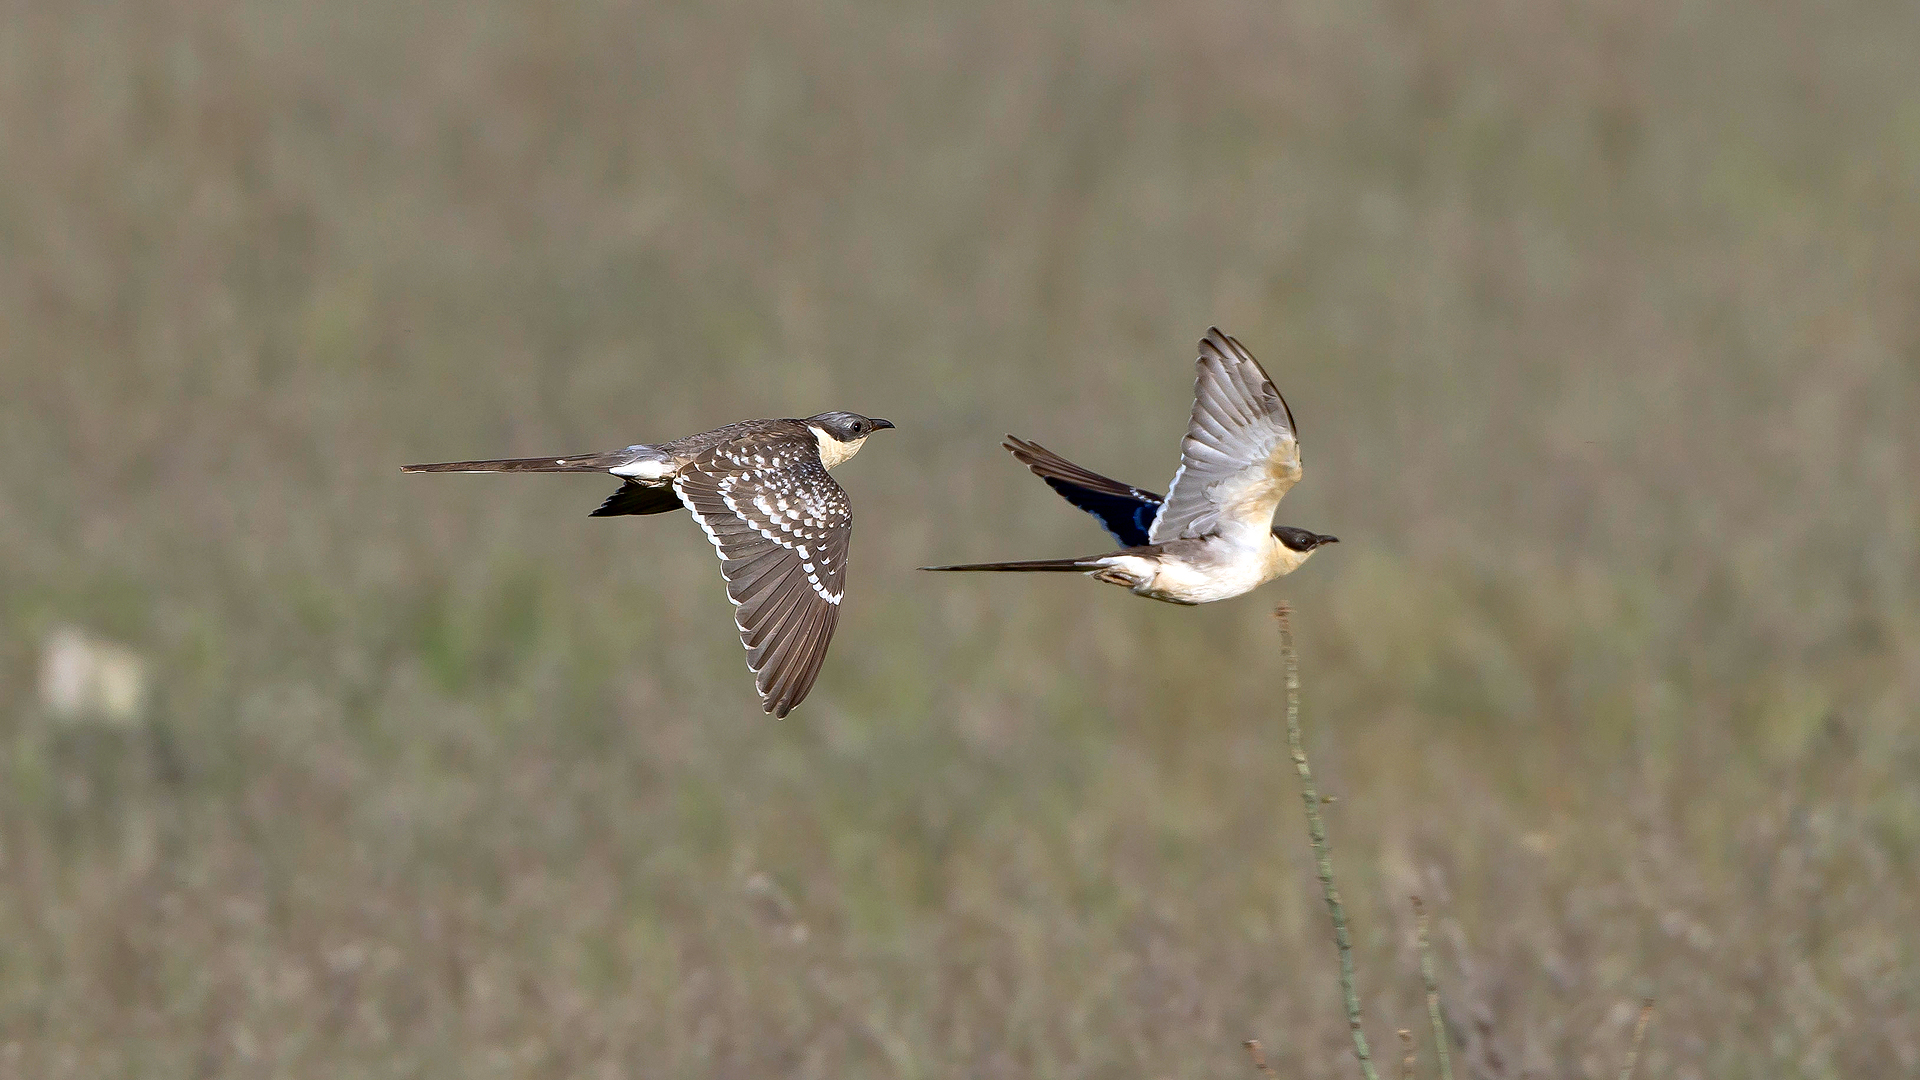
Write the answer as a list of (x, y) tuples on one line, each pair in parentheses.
[(1241, 500), (1246, 501), (1239, 455)]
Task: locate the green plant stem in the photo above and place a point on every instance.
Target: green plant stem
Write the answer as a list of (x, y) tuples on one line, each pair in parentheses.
[(1317, 835), (1433, 991)]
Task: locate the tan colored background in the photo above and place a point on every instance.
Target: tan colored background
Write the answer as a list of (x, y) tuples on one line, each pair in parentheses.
[(1601, 320)]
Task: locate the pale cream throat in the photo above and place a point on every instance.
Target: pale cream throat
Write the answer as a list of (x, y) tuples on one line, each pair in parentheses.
[(832, 450)]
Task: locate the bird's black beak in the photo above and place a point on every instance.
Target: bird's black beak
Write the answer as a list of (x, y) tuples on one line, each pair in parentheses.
[(879, 423), (1319, 540)]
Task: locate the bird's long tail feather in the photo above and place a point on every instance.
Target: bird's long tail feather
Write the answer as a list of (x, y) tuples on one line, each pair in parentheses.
[(1050, 467), (576, 463), (1037, 566)]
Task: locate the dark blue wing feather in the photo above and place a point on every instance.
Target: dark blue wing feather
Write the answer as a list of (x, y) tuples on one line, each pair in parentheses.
[(1126, 511), (1128, 518)]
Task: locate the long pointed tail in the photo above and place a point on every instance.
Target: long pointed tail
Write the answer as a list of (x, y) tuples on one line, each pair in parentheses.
[(576, 463), (1038, 566)]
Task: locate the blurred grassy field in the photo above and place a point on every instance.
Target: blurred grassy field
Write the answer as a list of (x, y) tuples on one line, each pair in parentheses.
[(1601, 320)]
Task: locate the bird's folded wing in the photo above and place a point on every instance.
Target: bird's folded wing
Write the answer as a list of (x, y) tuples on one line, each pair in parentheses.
[(1240, 453), (781, 526)]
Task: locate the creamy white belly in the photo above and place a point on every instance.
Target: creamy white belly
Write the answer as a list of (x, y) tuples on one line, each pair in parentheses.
[(1185, 583), (1199, 572)]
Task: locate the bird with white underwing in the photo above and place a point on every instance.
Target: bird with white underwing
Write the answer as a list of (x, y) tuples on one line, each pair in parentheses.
[(1212, 537)]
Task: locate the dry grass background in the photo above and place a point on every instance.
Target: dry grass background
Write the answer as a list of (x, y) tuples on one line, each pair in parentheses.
[(1602, 321)]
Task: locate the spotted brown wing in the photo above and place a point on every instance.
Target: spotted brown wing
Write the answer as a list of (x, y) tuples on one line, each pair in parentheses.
[(781, 526)]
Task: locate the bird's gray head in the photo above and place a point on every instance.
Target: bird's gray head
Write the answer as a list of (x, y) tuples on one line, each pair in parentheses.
[(841, 433), (845, 426), (1301, 540)]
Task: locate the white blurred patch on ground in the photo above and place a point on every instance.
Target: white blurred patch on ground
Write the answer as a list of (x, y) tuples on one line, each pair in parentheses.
[(84, 679)]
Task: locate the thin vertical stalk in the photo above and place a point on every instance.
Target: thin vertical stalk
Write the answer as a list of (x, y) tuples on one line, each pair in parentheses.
[(1433, 991), (1317, 835)]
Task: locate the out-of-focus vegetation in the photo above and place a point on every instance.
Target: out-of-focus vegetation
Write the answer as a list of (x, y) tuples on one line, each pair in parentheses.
[(1602, 322)]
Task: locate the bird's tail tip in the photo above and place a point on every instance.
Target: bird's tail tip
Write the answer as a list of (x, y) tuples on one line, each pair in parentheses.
[(1032, 566), (574, 463)]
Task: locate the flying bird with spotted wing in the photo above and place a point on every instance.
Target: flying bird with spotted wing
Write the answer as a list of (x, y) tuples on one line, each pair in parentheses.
[(760, 491), (1212, 537)]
